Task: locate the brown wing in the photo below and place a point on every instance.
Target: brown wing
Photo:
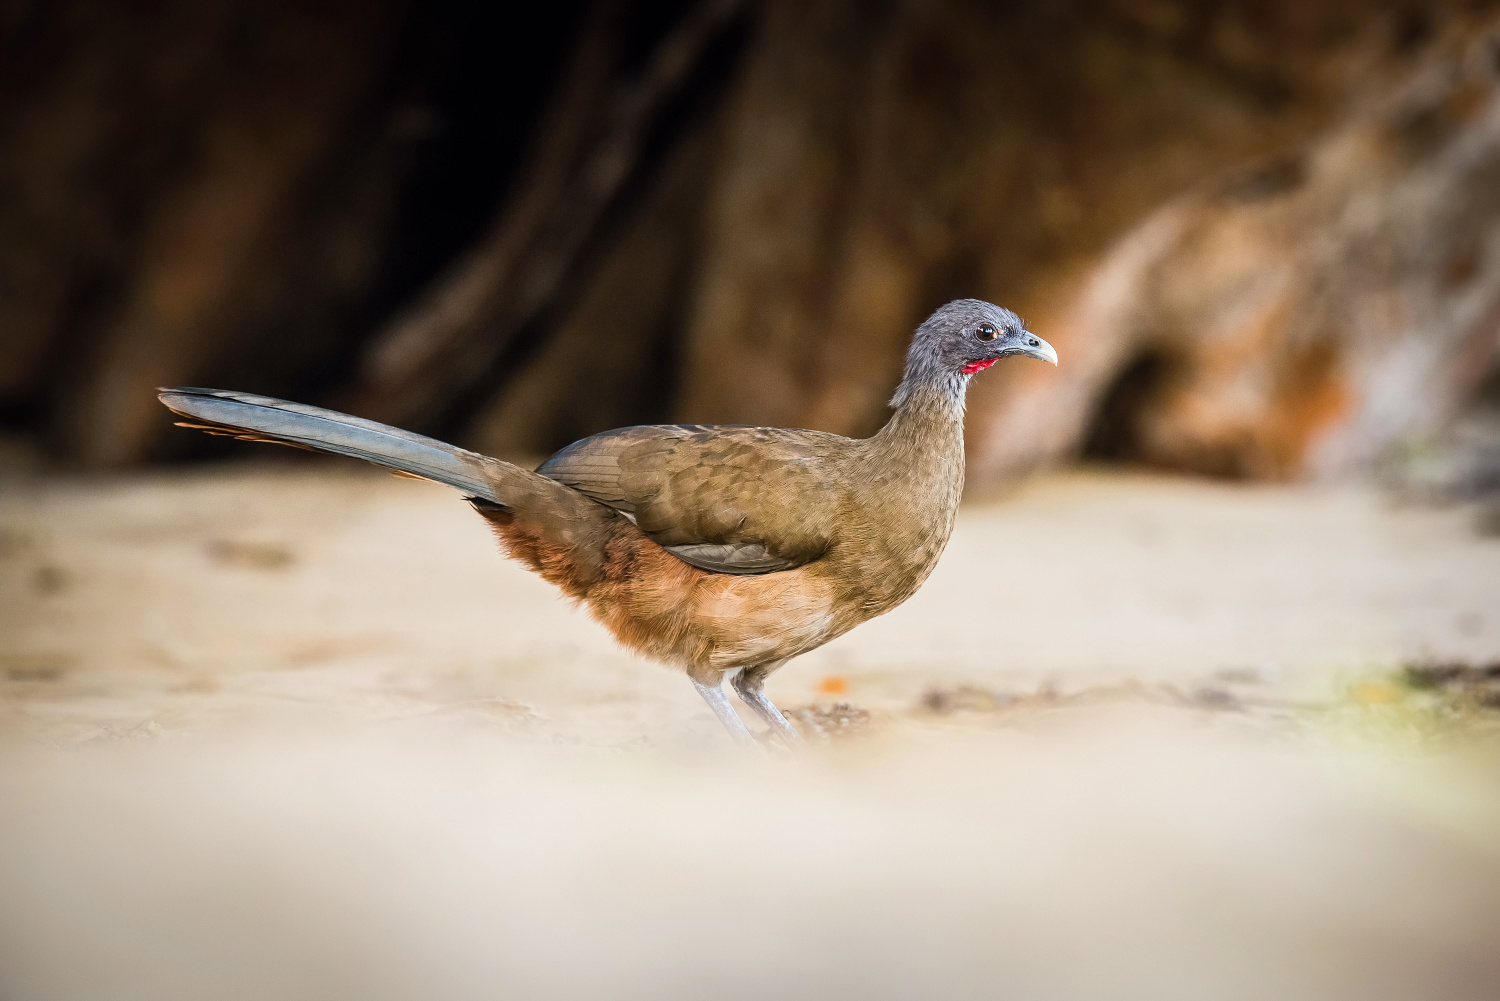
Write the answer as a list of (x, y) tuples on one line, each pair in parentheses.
[(728, 499)]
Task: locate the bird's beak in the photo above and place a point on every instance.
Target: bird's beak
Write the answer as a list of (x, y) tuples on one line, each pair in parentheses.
[(1042, 351)]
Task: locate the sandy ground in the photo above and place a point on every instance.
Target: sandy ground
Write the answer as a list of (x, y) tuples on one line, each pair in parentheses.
[(300, 732)]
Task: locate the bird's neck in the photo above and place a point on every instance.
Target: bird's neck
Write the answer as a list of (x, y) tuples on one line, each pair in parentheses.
[(928, 419)]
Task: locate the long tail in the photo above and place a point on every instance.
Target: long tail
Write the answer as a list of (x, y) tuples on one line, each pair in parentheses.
[(557, 531), (547, 509), (262, 418)]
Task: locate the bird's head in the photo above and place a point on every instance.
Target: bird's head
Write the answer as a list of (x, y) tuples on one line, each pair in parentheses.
[(960, 339), (969, 335)]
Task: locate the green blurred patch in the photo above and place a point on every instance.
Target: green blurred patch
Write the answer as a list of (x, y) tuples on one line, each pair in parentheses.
[(1423, 705)]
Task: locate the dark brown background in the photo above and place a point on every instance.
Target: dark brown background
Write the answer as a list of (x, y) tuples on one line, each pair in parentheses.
[(1262, 234)]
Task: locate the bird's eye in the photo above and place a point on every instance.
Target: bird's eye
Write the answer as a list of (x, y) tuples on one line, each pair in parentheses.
[(986, 332)]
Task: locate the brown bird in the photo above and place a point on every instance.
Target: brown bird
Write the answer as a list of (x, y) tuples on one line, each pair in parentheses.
[(721, 550)]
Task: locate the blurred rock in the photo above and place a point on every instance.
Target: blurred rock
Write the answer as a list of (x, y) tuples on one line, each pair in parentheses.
[(1307, 315)]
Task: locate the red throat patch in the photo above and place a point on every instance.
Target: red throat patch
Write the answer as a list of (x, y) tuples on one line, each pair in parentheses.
[(976, 366)]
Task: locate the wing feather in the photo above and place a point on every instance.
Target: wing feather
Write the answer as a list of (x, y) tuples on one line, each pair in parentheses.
[(738, 500)]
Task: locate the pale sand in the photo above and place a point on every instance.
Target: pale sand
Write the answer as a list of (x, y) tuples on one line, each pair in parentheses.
[(302, 733)]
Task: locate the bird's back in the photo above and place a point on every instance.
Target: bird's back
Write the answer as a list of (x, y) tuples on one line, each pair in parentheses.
[(738, 500)]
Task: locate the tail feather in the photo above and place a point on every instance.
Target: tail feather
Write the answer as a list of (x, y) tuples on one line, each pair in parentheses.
[(263, 418), (546, 523)]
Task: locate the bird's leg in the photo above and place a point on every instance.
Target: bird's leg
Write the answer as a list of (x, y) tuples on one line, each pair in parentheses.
[(710, 688), (749, 684)]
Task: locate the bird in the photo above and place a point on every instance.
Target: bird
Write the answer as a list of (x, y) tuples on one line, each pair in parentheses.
[(721, 550)]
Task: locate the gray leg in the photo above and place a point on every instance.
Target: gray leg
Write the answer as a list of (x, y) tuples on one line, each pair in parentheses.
[(719, 703), (749, 685)]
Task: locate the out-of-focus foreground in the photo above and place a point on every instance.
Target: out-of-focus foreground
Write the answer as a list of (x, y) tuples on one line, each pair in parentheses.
[(304, 734)]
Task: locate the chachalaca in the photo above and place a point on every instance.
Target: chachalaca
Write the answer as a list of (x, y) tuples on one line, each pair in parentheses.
[(721, 550)]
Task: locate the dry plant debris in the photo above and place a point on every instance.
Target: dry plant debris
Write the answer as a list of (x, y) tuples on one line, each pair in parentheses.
[(1471, 685), (250, 555), (837, 721), (977, 699)]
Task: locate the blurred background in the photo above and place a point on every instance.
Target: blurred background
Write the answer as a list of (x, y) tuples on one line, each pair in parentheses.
[(1262, 234), (1202, 701)]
